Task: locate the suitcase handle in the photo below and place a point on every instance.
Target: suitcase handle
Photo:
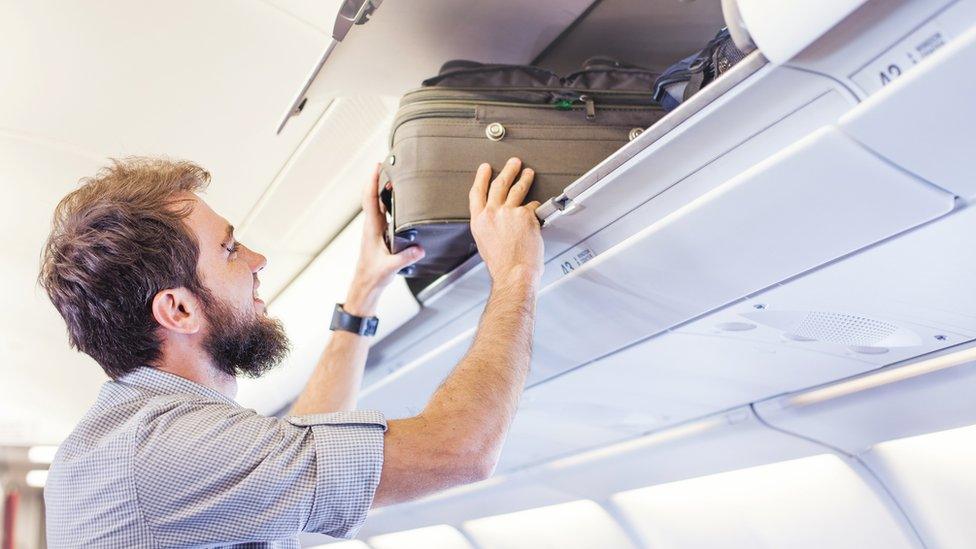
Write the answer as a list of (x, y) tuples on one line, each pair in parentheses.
[(386, 199)]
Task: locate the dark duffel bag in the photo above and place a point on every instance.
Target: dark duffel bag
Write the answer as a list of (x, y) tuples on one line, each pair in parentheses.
[(473, 113), (686, 77)]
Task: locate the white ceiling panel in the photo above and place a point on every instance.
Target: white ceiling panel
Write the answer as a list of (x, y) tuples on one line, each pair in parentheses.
[(319, 189), (406, 41), (85, 81), (198, 80), (44, 386)]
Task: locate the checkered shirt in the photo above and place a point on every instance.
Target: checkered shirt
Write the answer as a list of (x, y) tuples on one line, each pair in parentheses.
[(160, 461)]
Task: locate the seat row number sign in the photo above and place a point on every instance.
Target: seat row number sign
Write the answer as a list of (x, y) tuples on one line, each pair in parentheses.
[(900, 58)]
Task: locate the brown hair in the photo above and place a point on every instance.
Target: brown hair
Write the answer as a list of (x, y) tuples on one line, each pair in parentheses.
[(115, 242)]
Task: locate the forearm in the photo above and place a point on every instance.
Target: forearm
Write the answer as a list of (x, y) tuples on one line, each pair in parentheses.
[(480, 398), (458, 437), (338, 375)]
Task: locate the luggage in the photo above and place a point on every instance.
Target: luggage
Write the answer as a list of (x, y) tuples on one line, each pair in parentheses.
[(686, 77), (472, 113)]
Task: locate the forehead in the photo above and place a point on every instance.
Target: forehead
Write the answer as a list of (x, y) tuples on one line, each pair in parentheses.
[(206, 224)]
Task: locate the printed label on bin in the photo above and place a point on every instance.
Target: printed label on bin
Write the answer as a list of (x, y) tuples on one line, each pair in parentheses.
[(900, 58), (574, 259)]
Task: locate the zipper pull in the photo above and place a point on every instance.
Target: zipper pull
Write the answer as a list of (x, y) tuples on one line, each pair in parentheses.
[(590, 106)]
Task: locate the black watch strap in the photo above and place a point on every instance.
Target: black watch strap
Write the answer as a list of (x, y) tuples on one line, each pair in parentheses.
[(341, 320)]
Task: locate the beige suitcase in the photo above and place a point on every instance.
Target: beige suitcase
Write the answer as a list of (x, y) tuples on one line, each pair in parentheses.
[(473, 113)]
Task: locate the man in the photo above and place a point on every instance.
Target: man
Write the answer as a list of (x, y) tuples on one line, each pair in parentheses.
[(153, 285)]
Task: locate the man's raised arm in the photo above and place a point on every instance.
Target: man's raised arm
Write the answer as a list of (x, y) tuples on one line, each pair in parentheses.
[(458, 436), (334, 384)]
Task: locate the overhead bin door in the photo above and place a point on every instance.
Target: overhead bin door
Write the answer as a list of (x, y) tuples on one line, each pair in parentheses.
[(924, 121), (811, 203)]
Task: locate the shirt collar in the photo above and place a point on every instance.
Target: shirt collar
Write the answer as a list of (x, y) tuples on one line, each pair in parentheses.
[(166, 383)]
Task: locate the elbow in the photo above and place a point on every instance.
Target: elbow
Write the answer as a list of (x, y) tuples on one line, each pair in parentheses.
[(462, 455), (483, 468), (482, 460), (472, 466)]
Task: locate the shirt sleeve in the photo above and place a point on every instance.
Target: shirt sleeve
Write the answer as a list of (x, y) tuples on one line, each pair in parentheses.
[(209, 472)]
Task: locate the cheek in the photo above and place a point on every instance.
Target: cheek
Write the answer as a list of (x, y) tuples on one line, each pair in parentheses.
[(231, 280)]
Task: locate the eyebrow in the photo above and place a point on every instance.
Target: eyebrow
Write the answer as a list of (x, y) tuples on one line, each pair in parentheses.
[(230, 233)]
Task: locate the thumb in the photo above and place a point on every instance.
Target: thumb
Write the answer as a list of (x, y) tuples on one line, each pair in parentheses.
[(407, 257)]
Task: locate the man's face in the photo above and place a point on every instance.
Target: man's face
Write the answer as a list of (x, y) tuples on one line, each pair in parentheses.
[(241, 338)]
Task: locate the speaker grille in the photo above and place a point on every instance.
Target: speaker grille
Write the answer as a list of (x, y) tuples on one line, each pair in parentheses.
[(845, 329)]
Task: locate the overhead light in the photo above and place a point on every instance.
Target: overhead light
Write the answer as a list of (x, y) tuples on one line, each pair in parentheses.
[(37, 478), (442, 535), (466, 488), (646, 441), (42, 454), (573, 525), (884, 377), (350, 544)]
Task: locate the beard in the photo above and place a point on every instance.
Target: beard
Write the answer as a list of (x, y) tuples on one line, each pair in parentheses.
[(240, 345)]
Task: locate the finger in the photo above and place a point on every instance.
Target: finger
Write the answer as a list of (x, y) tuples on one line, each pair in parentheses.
[(499, 187), (518, 192), (371, 202), (406, 257), (533, 206), (371, 193), (479, 190)]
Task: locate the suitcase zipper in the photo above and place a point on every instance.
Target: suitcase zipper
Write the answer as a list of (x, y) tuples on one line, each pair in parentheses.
[(584, 103), (444, 112), (546, 96)]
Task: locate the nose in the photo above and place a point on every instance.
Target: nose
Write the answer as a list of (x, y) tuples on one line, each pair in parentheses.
[(256, 260)]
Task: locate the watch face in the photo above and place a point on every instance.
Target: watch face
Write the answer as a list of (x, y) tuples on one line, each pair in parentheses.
[(371, 325)]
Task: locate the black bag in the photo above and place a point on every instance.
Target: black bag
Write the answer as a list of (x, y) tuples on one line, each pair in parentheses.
[(472, 113), (686, 77)]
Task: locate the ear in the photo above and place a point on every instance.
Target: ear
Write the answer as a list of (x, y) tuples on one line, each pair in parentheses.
[(177, 309)]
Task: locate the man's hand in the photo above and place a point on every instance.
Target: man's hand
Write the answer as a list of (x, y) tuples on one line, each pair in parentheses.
[(507, 233), (377, 266)]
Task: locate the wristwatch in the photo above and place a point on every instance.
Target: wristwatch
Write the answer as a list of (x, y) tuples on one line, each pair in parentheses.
[(341, 320)]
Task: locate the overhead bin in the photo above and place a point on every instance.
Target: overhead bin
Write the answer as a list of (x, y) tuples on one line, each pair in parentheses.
[(884, 40), (924, 121), (812, 202), (783, 29), (405, 42), (743, 117), (650, 33), (905, 298), (815, 201)]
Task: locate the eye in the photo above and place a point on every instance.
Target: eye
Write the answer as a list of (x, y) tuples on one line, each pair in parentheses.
[(232, 249)]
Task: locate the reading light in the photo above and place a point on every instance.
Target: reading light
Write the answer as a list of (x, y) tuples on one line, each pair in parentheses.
[(889, 375)]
